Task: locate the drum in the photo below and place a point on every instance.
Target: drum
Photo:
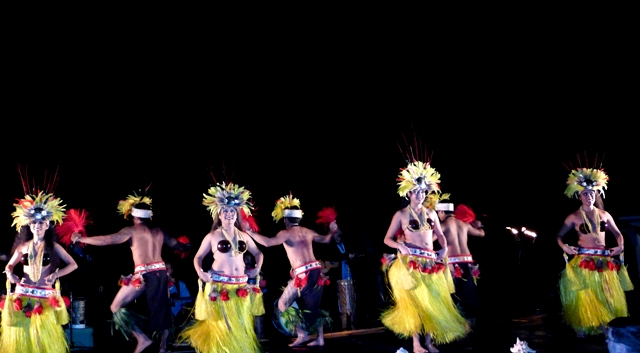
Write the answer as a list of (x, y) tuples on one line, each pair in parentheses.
[(346, 296), (78, 313)]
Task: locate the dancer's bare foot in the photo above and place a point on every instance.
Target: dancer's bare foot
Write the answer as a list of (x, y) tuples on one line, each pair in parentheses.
[(419, 349), (143, 342), (299, 341), (317, 342), (428, 342)]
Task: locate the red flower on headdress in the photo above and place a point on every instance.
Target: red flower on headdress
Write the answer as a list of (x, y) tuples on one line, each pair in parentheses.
[(242, 292)]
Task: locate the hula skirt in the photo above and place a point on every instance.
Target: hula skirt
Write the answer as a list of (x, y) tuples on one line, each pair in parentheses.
[(422, 300), (592, 292), (224, 313), (32, 319)]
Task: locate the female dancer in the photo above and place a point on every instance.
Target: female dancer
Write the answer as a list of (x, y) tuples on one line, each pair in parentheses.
[(33, 314), (226, 306)]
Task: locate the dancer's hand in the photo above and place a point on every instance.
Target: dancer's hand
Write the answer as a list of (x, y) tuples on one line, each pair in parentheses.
[(570, 250), (403, 249), (617, 250), (51, 278), (205, 276), (12, 277)]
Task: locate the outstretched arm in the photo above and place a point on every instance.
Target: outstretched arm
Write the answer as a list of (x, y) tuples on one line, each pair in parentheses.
[(280, 238), (475, 228), (325, 239), (175, 244), (101, 240)]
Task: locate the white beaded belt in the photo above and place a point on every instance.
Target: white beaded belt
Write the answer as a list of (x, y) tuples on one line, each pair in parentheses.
[(307, 267), (230, 279), (150, 267), (422, 253), (35, 292), (460, 259), (599, 252)]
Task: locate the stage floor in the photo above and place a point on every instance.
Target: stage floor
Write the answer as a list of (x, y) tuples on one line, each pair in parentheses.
[(544, 333)]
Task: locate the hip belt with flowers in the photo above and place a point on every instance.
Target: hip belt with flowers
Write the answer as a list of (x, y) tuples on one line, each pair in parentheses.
[(419, 259), (465, 258), (300, 277), (596, 259), (223, 280), (35, 297), (136, 278)]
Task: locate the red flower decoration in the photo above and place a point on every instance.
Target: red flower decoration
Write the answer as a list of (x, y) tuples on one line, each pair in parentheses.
[(37, 310), (458, 271), (28, 313), (136, 282), (256, 290), (124, 281), (592, 266), (224, 296), (2, 304), (300, 282), (584, 264), (476, 273), (54, 302), (242, 292), (413, 265), (171, 284), (428, 270), (184, 240), (17, 304), (67, 301), (384, 260)]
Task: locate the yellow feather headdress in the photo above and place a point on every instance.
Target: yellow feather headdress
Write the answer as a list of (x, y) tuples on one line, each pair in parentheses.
[(282, 204), (418, 175), (432, 199), (227, 195), (586, 178), (42, 207), (126, 206)]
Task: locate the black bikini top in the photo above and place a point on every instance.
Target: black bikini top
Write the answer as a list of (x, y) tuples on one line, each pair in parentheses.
[(224, 246), (584, 230), (46, 259)]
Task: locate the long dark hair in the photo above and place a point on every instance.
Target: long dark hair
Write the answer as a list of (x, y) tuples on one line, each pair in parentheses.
[(25, 235)]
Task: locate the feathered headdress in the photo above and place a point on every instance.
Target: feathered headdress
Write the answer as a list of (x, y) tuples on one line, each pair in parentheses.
[(125, 207), (74, 221), (283, 206), (41, 207), (433, 198), (586, 177), (227, 195), (418, 175)]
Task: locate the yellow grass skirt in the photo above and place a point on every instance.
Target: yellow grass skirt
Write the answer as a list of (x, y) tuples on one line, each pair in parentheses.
[(422, 303), (226, 324), (33, 325), (590, 299)]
